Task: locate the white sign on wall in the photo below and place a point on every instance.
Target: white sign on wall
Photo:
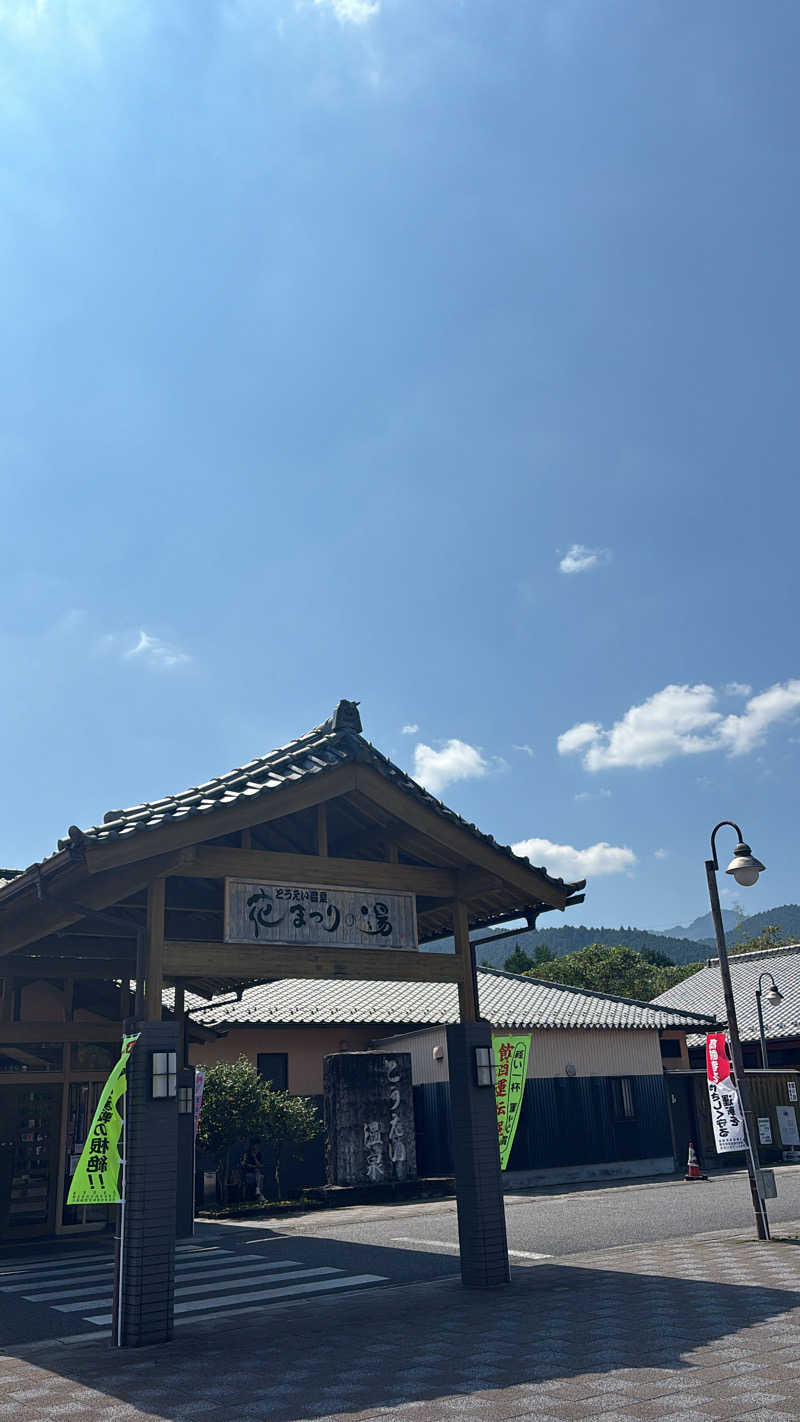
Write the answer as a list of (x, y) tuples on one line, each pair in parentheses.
[(787, 1125), (318, 915), (764, 1130)]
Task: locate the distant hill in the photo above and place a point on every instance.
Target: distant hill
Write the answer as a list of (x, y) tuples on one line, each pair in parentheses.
[(568, 939), (787, 917), (701, 928)]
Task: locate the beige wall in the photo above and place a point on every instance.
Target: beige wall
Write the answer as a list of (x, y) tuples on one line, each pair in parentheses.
[(304, 1046), (597, 1052)]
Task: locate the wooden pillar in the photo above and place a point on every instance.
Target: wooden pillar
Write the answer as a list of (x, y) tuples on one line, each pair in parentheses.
[(322, 830), (154, 950), (468, 1005), (180, 1018)]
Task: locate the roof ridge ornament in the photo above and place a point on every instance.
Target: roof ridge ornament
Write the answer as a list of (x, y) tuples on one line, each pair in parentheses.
[(346, 717)]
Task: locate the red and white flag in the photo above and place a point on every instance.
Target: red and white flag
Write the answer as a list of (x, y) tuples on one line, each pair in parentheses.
[(726, 1108)]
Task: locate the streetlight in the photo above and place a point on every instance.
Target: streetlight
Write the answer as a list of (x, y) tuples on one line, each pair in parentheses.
[(745, 870), (774, 998)]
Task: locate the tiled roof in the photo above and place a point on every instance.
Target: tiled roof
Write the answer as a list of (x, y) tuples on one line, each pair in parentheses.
[(338, 741), (702, 992), (506, 1000)]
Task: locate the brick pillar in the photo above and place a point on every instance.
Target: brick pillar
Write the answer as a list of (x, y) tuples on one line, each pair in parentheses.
[(479, 1195), (151, 1139)]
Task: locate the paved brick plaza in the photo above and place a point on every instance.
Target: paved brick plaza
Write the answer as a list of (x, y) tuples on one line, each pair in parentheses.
[(708, 1328)]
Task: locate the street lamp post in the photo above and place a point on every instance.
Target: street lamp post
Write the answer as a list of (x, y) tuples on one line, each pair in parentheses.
[(745, 870), (774, 998)]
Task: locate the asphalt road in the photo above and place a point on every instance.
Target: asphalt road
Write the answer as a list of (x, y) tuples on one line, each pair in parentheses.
[(574, 1220), (62, 1289)]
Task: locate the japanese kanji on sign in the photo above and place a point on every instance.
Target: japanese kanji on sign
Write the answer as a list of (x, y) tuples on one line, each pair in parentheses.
[(96, 1180), (726, 1108), (319, 915), (511, 1062)]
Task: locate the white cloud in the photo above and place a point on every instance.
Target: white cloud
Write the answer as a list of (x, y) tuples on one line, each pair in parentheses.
[(455, 761), (157, 653), (679, 721), (526, 750), (579, 558), (661, 854), (741, 733), (352, 12), (565, 862), (584, 734), (593, 795), (737, 688), (410, 730)]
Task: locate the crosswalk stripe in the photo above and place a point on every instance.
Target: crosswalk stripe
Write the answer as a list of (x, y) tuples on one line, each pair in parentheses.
[(244, 1280), (94, 1261), (292, 1290), (86, 1289), (264, 1277), (100, 1271), (35, 1265)]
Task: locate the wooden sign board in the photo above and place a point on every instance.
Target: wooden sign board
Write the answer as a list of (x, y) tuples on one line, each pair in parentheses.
[(318, 915)]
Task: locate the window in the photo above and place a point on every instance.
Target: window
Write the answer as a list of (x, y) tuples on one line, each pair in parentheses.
[(670, 1047), (622, 1098), (274, 1068)]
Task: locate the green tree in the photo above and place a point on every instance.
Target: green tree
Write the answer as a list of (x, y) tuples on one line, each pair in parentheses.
[(620, 971), (773, 936), (289, 1122), (522, 962), (233, 1110)]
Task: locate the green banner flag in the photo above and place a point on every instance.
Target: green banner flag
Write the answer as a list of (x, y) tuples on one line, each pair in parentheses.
[(96, 1180), (511, 1061)]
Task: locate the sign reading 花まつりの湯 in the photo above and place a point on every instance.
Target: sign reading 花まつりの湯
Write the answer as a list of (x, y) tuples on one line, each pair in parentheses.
[(318, 915)]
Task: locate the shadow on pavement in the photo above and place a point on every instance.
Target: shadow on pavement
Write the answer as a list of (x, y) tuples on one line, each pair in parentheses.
[(436, 1345)]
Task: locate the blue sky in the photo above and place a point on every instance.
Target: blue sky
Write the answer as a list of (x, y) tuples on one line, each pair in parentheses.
[(438, 355)]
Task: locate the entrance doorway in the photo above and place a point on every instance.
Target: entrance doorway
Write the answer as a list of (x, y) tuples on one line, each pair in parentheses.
[(29, 1131)]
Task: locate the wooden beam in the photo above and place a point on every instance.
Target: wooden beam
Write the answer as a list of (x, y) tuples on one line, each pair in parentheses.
[(526, 881), (51, 966), (212, 862), (237, 963), (11, 1032), (255, 810), (468, 1007), (322, 831), (154, 951), (23, 923)]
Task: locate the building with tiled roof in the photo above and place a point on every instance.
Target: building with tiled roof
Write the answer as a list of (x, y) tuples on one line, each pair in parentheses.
[(702, 992)]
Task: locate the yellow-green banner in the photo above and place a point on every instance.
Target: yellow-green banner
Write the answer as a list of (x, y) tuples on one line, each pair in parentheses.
[(96, 1180), (511, 1061)]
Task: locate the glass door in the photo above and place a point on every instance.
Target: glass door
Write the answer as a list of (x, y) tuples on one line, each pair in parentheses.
[(29, 1122)]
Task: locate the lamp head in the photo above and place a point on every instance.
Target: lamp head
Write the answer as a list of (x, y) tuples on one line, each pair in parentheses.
[(774, 997), (744, 867)]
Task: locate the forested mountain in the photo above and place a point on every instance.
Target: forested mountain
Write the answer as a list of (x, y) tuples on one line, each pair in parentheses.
[(786, 917), (700, 928), (570, 938)]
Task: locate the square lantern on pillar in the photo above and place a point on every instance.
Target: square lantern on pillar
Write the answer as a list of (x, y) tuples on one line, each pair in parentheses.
[(165, 1074), (185, 1100), (485, 1070)]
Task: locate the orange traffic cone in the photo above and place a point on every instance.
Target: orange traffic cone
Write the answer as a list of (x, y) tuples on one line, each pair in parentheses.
[(693, 1167)]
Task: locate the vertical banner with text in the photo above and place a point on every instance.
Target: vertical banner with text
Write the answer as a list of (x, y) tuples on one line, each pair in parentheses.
[(726, 1109), (96, 1180), (511, 1062)]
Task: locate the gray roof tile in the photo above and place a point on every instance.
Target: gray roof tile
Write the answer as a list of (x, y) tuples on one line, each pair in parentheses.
[(702, 992), (337, 741), (506, 1000)]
